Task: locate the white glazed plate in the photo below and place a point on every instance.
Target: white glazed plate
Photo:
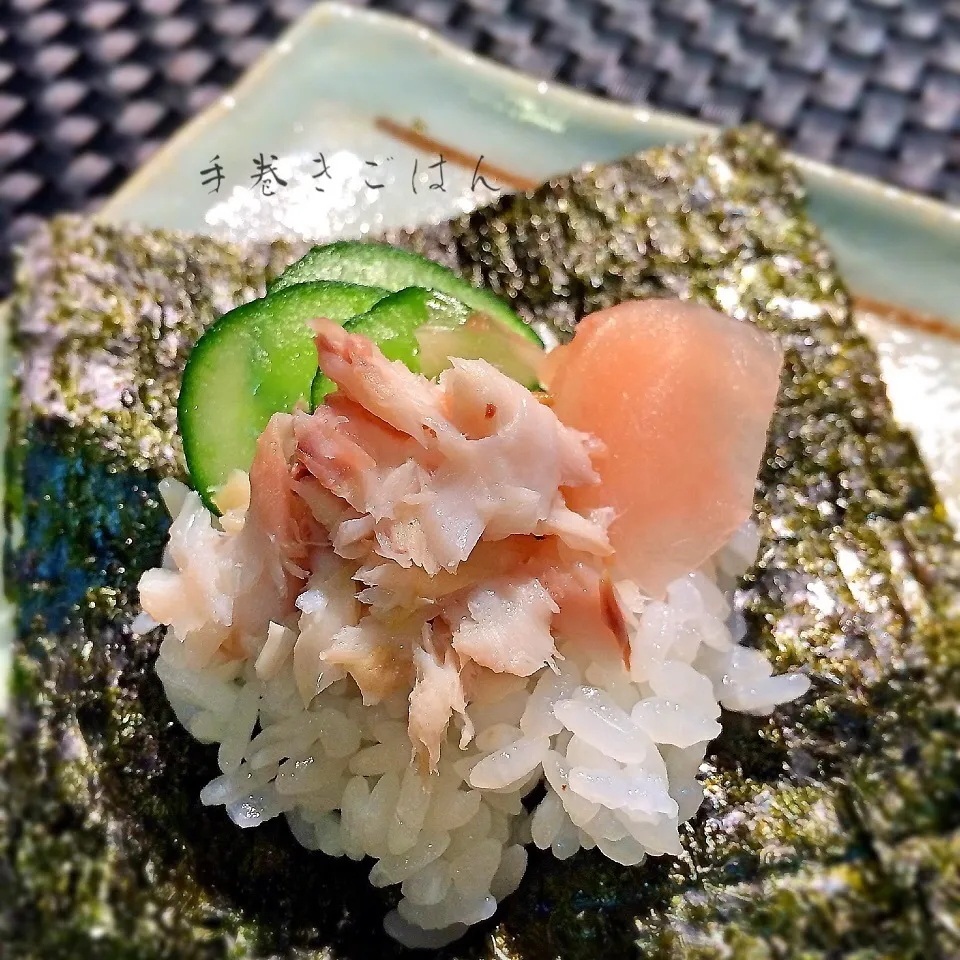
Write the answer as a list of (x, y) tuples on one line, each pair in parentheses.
[(382, 99)]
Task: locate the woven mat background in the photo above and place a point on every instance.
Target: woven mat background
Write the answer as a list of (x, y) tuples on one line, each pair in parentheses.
[(90, 88)]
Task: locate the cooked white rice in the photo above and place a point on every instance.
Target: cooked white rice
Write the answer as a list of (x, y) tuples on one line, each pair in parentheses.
[(617, 749)]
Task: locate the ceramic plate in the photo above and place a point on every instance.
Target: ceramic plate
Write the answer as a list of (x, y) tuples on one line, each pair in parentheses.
[(340, 128), (353, 110)]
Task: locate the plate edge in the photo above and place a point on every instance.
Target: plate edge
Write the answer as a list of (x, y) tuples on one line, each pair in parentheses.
[(813, 170)]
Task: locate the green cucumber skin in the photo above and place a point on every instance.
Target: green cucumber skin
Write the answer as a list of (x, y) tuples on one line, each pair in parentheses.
[(337, 300), (381, 265), (256, 360), (392, 325)]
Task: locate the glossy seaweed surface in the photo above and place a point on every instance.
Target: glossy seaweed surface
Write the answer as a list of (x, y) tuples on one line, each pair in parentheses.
[(830, 830)]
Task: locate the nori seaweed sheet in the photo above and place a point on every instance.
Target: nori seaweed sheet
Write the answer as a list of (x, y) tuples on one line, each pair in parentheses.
[(829, 830)]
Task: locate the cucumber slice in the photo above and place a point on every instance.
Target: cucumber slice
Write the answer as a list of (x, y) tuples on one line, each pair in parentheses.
[(337, 300), (256, 360), (393, 323), (381, 265)]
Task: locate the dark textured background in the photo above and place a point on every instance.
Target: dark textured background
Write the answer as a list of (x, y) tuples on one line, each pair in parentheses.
[(90, 88)]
